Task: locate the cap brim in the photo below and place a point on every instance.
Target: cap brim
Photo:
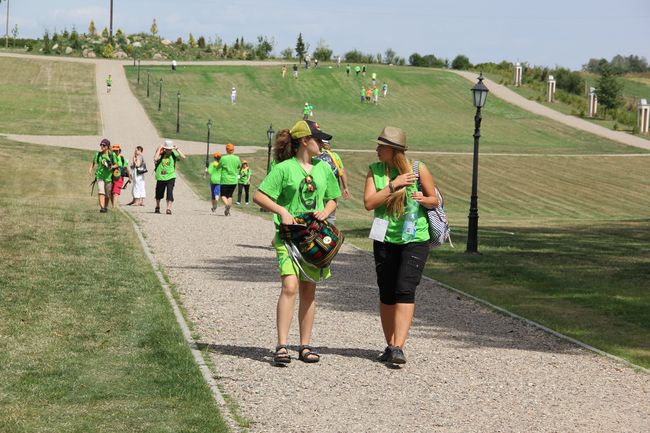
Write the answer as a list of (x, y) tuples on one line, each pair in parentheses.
[(321, 135)]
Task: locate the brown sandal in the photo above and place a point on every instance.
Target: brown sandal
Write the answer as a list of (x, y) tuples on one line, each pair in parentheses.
[(281, 355), (307, 354)]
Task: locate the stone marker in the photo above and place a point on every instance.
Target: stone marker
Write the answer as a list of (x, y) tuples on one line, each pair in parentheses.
[(550, 88), (593, 102), (643, 118), (518, 73)]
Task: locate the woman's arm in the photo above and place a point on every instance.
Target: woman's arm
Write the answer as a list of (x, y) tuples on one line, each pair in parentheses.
[(265, 202), (429, 198), (372, 198), (181, 155), (322, 215), (158, 154)]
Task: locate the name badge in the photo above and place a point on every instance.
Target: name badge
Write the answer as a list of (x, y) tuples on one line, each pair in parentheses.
[(378, 229)]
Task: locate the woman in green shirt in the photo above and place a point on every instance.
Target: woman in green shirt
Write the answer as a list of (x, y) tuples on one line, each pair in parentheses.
[(244, 181), (297, 184), (400, 249)]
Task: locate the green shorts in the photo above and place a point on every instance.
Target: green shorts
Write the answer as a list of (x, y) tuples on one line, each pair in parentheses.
[(288, 267)]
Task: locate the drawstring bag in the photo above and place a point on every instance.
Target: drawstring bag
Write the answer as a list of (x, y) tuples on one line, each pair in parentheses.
[(439, 229), (311, 241)]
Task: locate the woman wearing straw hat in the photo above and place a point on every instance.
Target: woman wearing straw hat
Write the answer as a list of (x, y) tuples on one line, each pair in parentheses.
[(400, 249), (165, 161), (297, 184)]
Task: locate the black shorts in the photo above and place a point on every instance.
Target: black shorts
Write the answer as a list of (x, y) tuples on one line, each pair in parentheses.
[(227, 190), (399, 270), (165, 185)]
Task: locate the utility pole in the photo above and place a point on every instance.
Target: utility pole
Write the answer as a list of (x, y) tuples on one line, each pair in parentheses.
[(110, 31), (7, 27)]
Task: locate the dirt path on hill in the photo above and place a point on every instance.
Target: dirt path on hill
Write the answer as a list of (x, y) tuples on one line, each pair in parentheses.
[(469, 368)]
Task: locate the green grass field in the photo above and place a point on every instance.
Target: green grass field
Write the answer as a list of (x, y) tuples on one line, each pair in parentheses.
[(433, 107), (42, 97), (564, 240), (88, 341)]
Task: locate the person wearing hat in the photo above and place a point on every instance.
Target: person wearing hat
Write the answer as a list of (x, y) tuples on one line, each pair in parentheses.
[(229, 166), (233, 95), (243, 181), (297, 184), (119, 174), (400, 249), (215, 179), (336, 164), (105, 162), (165, 162), (307, 111)]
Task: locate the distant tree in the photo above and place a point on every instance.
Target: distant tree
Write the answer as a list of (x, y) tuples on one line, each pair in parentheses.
[(191, 41), (236, 45), (389, 56), (105, 33), (154, 28), (74, 38), (300, 48), (14, 33), (322, 52), (224, 50), (461, 62), (201, 42), (568, 80), (92, 30), (415, 59), (637, 64), (46, 43), (609, 90), (108, 51), (287, 53), (179, 41), (65, 33), (264, 48)]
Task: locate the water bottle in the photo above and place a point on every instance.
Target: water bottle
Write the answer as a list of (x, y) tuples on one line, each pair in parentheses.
[(410, 220)]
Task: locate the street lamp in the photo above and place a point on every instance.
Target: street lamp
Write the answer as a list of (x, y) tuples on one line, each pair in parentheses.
[(479, 95), (207, 147), (148, 76), (160, 96), (178, 111), (138, 69), (269, 133)]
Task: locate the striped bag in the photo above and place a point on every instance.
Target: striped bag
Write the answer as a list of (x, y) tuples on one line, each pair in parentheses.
[(439, 229)]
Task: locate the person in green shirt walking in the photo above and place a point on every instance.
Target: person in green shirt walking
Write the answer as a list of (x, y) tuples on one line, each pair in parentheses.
[(229, 166), (120, 174), (400, 232), (215, 179), (244, 181), (109, 83), (297, 184), (165, 161), (105, 163)]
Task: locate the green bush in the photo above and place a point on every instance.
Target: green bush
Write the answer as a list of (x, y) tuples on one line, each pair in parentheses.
[(461, 62)]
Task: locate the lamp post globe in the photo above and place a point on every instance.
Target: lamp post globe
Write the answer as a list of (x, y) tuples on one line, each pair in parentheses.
[(269, 133), (479, 96)]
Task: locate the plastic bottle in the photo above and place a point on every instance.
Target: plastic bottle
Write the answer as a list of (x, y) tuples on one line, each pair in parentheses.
[(410, 220)]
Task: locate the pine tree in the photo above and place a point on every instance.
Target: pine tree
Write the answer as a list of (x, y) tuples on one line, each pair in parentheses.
[(609, 89), (300, 47), (191, 41), (91, 28), (154, 28)]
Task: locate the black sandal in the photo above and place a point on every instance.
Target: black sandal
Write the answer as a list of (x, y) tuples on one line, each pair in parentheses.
[(281, 355), (156, 210), (307, 354)]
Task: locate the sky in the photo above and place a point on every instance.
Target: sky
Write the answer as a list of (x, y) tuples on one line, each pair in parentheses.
[(547, 33)]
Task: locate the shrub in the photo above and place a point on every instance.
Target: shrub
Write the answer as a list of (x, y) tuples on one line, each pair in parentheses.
[(108, 51), (461, 62), (322, 52), (201, 42), (46, 43), (287, 53)]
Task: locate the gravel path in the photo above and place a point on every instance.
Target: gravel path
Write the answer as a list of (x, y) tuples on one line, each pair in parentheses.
[(469, 368)]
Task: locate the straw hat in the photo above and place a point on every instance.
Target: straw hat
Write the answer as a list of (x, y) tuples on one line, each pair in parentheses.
[(392, 137), (169, 145)]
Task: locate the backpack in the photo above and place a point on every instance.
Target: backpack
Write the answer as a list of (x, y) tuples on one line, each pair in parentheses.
[(122, 167), (439, 229), (311, 241), (328, 157)]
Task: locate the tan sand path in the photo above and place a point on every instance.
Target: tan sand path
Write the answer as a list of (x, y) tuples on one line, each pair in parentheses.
[(469, 368)]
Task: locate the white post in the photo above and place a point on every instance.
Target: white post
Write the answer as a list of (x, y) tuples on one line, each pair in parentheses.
[(643, 120), (550, 88), (518, 70), (593, 102)]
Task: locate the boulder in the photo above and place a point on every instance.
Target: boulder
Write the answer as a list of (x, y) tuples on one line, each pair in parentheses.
[(137, 45), (157, 56), (166, 42), (55, 47), (121, 55), (91, 55), (84, 53), (68, 50)]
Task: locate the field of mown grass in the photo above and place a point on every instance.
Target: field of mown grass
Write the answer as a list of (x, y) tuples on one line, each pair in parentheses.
[(432, 106), (88, 341), (41, 97), (565, 240)]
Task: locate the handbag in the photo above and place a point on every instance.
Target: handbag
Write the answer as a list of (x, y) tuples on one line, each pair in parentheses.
[(311, 241), (142, 169), (439, 229)]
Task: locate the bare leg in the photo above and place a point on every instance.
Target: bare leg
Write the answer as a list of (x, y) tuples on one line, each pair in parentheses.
[(387, 314), (306, 311), (169, 205), (403, 318), (286, 302)]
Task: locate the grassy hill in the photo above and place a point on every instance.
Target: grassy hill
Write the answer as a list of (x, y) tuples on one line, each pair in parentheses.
[(432, 106)]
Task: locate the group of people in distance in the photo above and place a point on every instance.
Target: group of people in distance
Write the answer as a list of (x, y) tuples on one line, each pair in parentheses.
[(226, 173), (303, 180)]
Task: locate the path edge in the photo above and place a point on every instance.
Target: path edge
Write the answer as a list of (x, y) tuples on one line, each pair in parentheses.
[(537, 325)]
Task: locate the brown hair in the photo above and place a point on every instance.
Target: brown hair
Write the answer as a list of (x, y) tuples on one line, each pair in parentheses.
[(139, 148), (395, 202), (285, 147)]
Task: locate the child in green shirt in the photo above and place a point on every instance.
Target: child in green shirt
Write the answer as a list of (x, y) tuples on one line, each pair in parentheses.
[(244, 181)]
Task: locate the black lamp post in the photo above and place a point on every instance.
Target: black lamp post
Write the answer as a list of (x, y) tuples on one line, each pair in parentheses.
[(160, 96), (207, 147), (479, 95), (269, 133), (178, 111), (148, 76), (138, 69)]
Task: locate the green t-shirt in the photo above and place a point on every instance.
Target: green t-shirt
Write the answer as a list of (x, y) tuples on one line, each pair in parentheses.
[(215, 173), (166, 169), (395, 225), (286, 185), (229, 167), (245, 176), (122, 162), (102, 172)]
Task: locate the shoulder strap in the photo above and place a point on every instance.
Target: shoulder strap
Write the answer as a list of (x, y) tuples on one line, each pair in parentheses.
[(416, 171), (336, 163)]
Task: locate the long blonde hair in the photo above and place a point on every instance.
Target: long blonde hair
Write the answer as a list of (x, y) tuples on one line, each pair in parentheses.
[(395, 202)]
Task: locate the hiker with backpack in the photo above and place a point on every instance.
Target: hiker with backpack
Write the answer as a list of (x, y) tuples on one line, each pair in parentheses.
[(400, 232), (165, 162), (120, 173), (105, 163), (138, 170), (298, 184)]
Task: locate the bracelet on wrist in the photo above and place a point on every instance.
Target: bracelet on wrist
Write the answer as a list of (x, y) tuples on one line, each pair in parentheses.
[(391, 188)]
